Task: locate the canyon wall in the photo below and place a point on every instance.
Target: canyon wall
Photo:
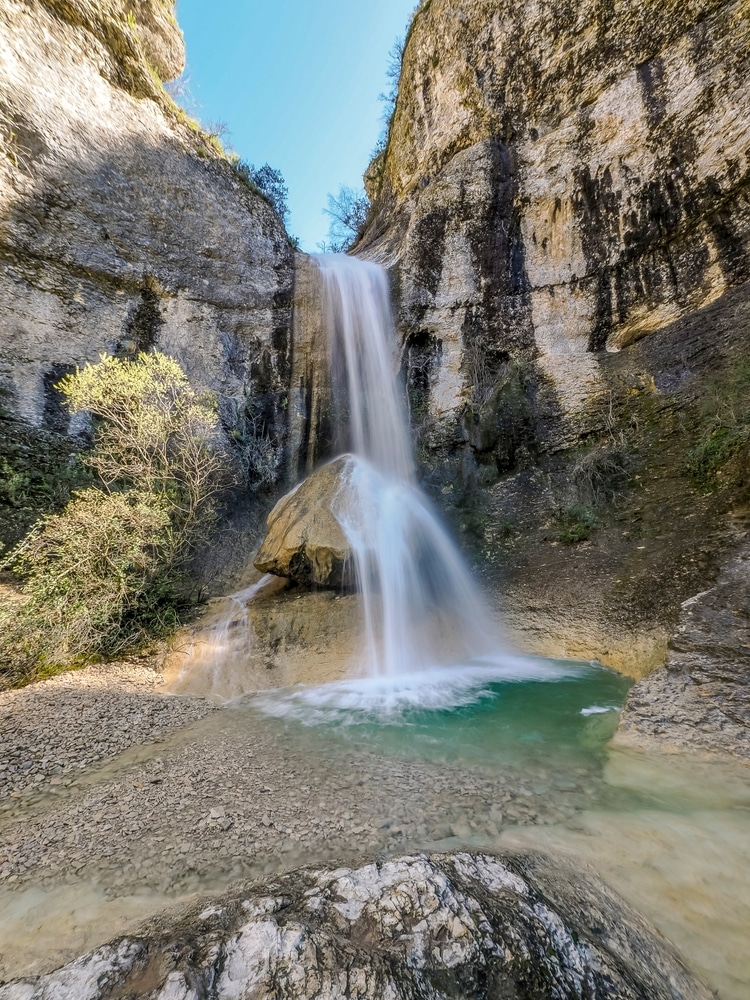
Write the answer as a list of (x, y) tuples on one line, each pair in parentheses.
[(122, 226), (561, 180), (564, 205)]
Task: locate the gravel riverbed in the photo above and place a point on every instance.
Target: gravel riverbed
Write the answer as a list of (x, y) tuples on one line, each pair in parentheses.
[(54, 730), (118, 799), (100, 789)]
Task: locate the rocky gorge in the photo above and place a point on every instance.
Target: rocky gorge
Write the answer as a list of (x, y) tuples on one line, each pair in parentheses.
[(551, 204), (562, 208)]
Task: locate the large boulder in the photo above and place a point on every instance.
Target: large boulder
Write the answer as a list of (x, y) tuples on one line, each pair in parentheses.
[(445, 926), (304, 540)]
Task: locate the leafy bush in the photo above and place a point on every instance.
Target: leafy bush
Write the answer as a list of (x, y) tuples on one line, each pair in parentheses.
[(87, 577), (153, 432), (105, 573), (577, 522), (723, 430)]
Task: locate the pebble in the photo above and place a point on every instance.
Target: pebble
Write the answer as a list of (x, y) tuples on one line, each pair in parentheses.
[(188, 816)]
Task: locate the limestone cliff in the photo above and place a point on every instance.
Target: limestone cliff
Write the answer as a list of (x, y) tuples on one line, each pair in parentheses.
[(564, 205), (577, 172), (121, 226)]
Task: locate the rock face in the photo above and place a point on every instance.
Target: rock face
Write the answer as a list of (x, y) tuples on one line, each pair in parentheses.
[(563, 204), (700, 699), (310, 391), (563, 180), (274, 638), (304, 540), (121, 226), (446, 926)]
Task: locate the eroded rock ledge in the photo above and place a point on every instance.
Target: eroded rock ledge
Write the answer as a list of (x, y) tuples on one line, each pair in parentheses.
[(700, 699), (514, 928)]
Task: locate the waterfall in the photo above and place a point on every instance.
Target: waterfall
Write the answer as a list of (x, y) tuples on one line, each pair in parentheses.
[(429, 638), (421, 608)]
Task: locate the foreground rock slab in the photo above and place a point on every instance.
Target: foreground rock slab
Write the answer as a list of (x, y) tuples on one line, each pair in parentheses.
[(517, 927)]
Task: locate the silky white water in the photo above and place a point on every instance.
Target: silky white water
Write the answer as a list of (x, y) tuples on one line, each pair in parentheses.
[(427, 633), (421, 609)]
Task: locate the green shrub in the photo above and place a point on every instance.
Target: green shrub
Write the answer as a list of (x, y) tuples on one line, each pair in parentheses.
[(267, 182), (104, 574), (153, 432), (723, 429), (716, 449), (577, 523), (86, 573)]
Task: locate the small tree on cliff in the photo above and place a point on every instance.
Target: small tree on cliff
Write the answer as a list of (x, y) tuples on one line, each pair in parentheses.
[(153, 432), (348, 212), (270, 182), (104, 574)]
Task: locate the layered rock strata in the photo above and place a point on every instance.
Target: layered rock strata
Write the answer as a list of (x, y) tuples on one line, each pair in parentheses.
[(560, 181), (564, 206)]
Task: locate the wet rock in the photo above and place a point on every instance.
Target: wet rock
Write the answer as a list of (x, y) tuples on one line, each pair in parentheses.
[(304, 540), (516, 927)]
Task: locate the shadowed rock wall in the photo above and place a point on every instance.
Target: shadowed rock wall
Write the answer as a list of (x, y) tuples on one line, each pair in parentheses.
[(121, 226)]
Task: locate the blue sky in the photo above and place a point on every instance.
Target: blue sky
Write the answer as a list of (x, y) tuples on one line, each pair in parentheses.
[(297, 84)]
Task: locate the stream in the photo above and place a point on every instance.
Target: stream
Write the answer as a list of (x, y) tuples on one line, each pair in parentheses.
[(262, 786)]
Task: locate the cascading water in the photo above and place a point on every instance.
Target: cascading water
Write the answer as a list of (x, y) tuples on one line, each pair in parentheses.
[(421, 608), (429, 638)]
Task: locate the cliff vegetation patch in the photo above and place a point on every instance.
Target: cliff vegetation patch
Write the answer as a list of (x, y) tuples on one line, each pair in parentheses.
[(724, 428), (108, 572)]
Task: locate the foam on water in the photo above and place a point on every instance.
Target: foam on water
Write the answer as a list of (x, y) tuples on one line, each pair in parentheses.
[(388, 699)]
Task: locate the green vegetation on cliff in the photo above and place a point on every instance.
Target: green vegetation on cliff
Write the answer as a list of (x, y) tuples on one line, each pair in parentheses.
[(724, 426), (107, 572)]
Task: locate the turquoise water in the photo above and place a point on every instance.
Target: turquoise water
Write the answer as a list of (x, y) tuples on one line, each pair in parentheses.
[(512, 712)]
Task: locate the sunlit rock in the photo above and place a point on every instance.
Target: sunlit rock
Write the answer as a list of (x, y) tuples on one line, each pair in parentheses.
[(304, 540), (445, 926), (704, 688)]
